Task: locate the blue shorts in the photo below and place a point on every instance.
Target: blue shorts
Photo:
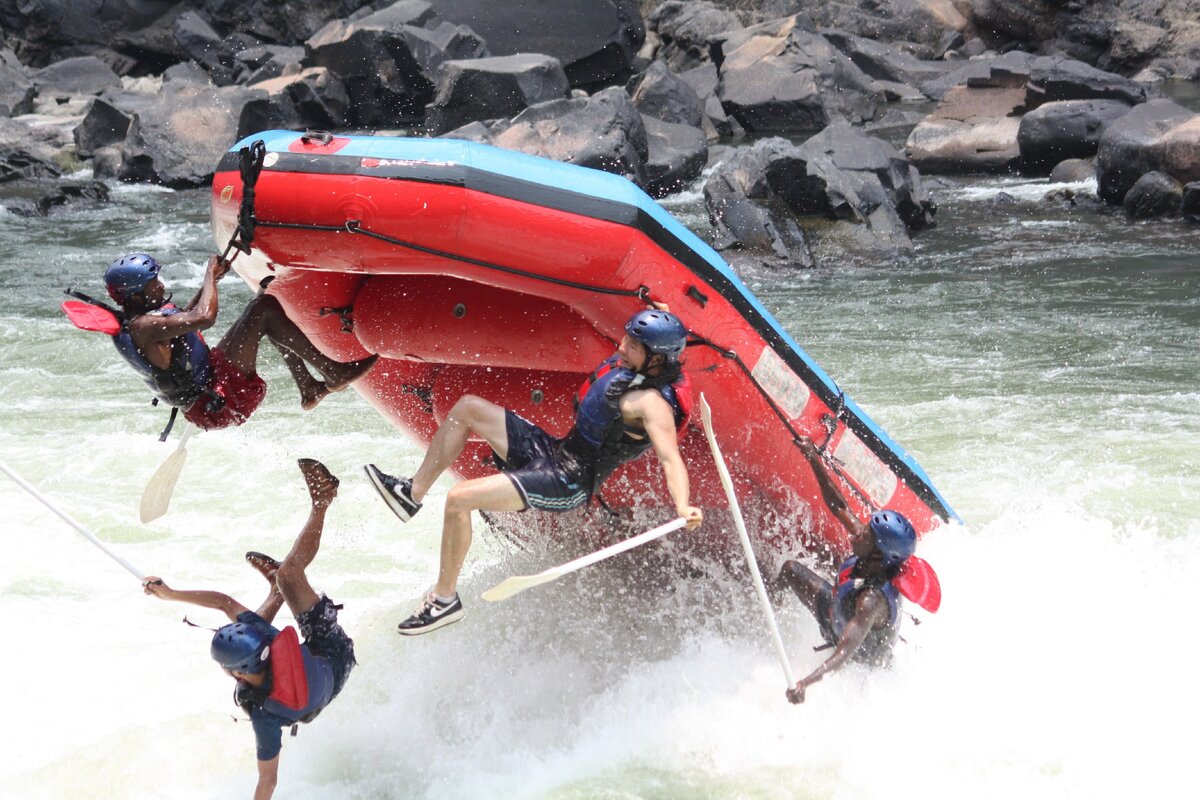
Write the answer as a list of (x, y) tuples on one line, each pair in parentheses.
[(535, 469), (325, 638)]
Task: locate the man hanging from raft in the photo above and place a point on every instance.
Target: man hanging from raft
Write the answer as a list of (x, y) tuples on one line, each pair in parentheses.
[(859, 615), (637, 399), (281, 681), (217, 386)]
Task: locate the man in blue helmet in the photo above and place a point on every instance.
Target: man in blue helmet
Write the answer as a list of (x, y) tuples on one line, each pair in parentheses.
[(637, 399), (217, 386), (280, 681), (859, 614)]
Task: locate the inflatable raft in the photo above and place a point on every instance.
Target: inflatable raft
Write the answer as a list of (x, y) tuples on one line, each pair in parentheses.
[(471, 269)]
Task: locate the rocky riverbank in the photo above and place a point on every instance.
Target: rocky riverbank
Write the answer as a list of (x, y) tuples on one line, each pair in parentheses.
[(156, 91)]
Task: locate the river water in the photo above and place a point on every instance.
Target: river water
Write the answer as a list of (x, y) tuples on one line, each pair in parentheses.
[(1039, 360)]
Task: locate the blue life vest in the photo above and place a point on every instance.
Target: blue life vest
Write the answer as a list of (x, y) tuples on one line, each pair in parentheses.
[(879, 641), (185, 380), (599, 441), (319, 675)]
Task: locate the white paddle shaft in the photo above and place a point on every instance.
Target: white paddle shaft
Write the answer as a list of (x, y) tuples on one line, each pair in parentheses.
[(740, 524), (82, 530)]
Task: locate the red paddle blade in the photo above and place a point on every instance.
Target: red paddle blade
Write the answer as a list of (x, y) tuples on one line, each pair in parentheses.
[(919, 583), (88, 317)]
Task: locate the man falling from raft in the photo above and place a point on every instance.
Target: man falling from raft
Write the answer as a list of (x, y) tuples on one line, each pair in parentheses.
[(280, 680), (859, 615), (637, 399), (217, 386)]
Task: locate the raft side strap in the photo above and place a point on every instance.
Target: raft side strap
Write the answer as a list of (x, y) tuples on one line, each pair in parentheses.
[(162, 437), (355, 226)]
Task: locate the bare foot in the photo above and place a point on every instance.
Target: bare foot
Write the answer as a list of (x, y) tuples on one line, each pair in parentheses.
[(322, 485), (312, 394), (266, 566), (349, 372)]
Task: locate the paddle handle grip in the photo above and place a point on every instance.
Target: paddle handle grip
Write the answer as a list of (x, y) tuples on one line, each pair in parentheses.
[(91, 537)]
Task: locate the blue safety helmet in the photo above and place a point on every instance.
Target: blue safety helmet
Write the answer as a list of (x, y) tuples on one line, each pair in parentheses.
[(659, 331), (130, 274), (894, 536), (239, 647)]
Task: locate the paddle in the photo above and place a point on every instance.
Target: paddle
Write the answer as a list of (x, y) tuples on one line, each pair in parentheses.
[(519, 583), (157, 496), (740, 524), (91, 537)]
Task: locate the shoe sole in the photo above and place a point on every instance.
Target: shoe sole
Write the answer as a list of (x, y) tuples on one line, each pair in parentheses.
[(441, 622), (392, 503)]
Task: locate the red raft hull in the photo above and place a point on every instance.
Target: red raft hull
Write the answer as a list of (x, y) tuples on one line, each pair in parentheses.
[(473, 270)]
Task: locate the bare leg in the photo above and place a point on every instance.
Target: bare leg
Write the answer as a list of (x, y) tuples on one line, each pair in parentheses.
[(807, 584), (312, 391), (270, 607), (470, 414), (264, 317), (493, 493), (291, 578)]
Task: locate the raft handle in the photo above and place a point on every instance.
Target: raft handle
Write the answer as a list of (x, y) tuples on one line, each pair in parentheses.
[(697, 295), (310, 136), (345, 313)]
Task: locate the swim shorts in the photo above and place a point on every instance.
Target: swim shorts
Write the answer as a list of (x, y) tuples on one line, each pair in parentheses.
[(325, 638), (242, 393), (534, 468)]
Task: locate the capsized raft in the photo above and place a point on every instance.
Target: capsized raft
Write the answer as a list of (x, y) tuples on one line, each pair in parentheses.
[(471, 269)]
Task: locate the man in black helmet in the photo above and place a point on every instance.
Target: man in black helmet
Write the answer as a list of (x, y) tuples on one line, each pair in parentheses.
[(280, 681), (217, 386), (859, 613), (636, 400)]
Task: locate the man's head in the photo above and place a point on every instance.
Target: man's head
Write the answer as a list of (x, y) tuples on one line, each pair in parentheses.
[(240, 648), (128, 278), (657, 333), (894, 537)]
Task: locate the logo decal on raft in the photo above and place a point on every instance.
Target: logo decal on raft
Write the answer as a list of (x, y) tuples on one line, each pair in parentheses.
[(227, 194)]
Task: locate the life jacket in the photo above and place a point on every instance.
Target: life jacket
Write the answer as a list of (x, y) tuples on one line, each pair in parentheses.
[(600, 441), (299, 688), (845, 599), (187, 376)]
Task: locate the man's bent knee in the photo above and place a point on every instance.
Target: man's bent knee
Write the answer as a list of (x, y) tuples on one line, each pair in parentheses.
[(289, 574)]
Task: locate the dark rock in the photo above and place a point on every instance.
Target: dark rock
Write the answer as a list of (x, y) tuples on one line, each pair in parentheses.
[(1065, 129), (980, 72), (777, 77), (75, 76), (1190, 206), (104, 125), (603, 131), (1057, 78), (687, 28), (488, 88), (16, 90), (677, 155), (895, 120), (704, 81), (663, 95), (973, 130), (1023, 20), (1158, 135), (313, 98), (91, 192), (388, 69), (22, 155), (1073, 170), (885, 62), (1003, 199), (951, 40), (179, 139), (203, 45), (265, 62), (594, 40), (1154, 195), (106, 163)]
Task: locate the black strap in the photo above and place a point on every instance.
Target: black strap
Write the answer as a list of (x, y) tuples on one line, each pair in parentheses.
[(120, 315), (162, 437)]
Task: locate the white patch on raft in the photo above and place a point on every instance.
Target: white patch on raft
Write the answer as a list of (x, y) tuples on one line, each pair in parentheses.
[(781, 383), (865, 469)]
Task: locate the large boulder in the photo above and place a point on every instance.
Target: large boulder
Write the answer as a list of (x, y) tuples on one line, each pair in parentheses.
[(1064, 129), (1153, 195), (779, 77), (594, 40), (389, 66), (704, 81), (86, 75), (488, 88), (312, 98), (603, 131), (885, 62), (676, 156), (16, 90), (178, 140), (973, 130), (1190, 205), (23, 154), (61, 195), (663, 95), (1160, 135), (687, 28)]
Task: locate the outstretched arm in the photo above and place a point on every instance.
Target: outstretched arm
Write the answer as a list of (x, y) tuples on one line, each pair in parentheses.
[(872, 609), (205, 599), (656, 417), (829, 490), (268, 776), (198, 315)]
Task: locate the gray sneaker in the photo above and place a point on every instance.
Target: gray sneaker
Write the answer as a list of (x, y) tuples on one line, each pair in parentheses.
[(396, 492), (431, 615)]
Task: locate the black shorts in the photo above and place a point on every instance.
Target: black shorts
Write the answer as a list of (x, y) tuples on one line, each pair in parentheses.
[(325, 637), (534, 468)]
